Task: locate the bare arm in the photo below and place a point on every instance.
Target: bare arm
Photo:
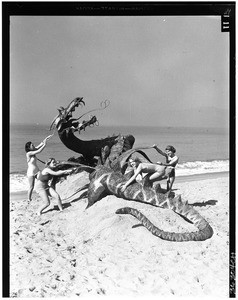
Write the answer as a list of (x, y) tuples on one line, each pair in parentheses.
[(45, 140), (172, 163), (159, 151), (31, 153), (137, 172), (41, 144), (56, 173), (40, 147)]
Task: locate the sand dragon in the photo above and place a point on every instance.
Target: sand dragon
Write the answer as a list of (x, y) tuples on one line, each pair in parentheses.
[(107, 177)]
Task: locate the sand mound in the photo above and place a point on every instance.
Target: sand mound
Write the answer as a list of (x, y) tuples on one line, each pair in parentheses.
[(95, 251)]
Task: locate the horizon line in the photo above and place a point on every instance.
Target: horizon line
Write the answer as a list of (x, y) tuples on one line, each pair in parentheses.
[(132, 125)]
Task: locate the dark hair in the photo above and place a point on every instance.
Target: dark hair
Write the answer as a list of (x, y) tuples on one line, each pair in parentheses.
[(28, 146), (49, 161), (171, 148), (135, 159)]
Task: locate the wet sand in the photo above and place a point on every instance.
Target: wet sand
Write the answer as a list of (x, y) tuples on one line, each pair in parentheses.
[(94, 252)]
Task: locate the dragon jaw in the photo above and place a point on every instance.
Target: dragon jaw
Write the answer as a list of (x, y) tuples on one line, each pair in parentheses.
[(64, 121)]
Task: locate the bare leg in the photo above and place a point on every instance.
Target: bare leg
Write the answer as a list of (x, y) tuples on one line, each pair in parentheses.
[(171, 181), (168, 184), (54, 194), (31, 180), (44, 196), (157, 176)]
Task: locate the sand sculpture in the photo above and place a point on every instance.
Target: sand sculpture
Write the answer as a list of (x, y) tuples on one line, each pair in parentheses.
[(107, 175)]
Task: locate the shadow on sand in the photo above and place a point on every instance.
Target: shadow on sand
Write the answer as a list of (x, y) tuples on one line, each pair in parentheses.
[(205, 203), (83, 195)]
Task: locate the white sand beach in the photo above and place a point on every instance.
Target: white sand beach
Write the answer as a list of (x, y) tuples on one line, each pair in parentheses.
[(94, 252)]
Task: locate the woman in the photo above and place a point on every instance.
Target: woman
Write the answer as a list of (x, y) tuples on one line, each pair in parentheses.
[(42, 184), (133, 163), (33, 169), (171, 162), (157, 171)]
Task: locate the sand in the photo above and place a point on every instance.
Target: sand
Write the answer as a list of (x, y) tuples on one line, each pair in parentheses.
[(94, 252)]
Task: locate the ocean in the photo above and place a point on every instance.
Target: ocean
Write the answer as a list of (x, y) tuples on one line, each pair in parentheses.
[(200, 150)]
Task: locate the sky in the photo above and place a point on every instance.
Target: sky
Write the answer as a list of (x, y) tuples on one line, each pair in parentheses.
[(154, 70)]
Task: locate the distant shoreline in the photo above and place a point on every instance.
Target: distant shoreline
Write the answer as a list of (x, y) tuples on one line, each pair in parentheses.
[(179, 179), (226, 129)]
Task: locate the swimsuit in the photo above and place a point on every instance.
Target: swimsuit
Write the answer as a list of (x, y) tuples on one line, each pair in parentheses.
[(42, 182), (171, 173), (32, 166), (41, 186)]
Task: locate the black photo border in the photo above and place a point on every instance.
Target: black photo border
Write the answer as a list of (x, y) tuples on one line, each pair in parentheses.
[(224, 9)]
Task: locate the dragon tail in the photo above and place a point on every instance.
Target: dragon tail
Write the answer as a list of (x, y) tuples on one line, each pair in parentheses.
[(205, 231)]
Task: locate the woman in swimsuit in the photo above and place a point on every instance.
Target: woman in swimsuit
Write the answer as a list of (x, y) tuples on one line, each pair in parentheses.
[(44, 189), (133, 163), (159, 170), (33, 169), (171, 162)]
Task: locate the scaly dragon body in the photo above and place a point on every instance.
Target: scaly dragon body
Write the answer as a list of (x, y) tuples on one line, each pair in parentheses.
[(104, 181), (109, 175)]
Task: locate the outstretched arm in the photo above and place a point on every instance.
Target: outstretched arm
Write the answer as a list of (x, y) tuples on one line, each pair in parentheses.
[(30, 153), (40, 147), (56, 173), (45, 140), (160, 151)]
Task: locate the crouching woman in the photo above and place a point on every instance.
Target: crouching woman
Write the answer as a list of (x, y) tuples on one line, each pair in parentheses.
[(44, 189)]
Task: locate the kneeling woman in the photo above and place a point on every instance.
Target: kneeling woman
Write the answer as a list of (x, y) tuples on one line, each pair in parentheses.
[(42, 185), (158, 172)]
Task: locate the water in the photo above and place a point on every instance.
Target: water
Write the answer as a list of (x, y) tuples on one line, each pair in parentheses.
[(200, 150)]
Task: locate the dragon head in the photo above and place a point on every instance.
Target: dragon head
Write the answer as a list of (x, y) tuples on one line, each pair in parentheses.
[(64, 121)]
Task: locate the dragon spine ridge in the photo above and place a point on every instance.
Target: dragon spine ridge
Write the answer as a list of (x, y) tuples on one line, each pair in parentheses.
[(107, 178), (104, 181)]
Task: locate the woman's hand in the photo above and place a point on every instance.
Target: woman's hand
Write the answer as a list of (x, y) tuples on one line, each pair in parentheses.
[(72, 170), (123, 188), (68, 171), (47, 138)]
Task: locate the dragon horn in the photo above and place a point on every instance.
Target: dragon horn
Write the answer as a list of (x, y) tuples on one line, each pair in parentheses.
[(74, 103), (125, 156), (53, 122)]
